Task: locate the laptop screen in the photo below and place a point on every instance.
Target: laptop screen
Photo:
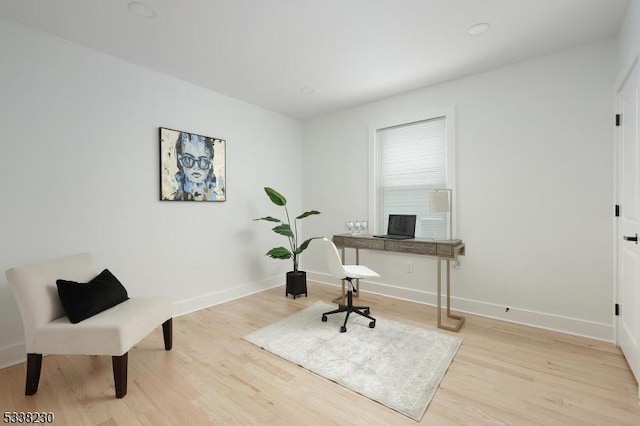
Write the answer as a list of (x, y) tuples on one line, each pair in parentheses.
[(402, 224)]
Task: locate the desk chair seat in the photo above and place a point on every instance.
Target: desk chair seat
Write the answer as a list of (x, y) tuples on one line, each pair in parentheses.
[(349, 273)]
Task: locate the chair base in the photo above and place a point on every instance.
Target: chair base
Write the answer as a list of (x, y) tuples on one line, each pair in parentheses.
[(350, 308)]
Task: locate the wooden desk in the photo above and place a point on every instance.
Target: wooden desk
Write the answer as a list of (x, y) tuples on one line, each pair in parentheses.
[(442, 250)]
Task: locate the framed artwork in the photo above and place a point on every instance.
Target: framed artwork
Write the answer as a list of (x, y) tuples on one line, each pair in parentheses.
[(192, 167)]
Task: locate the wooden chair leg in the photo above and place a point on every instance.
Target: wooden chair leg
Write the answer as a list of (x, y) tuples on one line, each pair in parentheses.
[(120, 374), (167, 331), (34, 365)]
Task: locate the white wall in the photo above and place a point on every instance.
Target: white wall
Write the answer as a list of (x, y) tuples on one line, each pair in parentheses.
[(534, 190), (79, 172), (629, 37), (79, 168)]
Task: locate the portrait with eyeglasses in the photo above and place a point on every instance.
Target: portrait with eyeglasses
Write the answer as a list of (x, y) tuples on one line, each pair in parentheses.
[(192, 167)]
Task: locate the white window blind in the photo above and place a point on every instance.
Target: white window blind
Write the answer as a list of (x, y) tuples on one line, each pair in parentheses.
[(412, 161)]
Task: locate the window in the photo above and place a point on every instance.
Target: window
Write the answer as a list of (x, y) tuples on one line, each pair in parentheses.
[(412, 158)]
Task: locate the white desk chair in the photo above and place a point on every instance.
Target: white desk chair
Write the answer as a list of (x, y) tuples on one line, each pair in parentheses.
[(349, 273)]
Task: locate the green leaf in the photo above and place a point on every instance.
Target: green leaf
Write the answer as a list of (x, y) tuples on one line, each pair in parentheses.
[(276, 198), (279, 253), (304, 245), (269, 218), (309, 213), (283, 229)]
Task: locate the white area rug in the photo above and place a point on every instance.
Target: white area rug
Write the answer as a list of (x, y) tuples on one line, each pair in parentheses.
[(395, 364)]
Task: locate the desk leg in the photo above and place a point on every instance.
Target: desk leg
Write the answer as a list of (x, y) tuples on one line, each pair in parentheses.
[(340, 299), (459, 319), (357, 279), (439, 297)]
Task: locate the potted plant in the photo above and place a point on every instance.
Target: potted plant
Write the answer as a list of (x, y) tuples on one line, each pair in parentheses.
[(296, 279)]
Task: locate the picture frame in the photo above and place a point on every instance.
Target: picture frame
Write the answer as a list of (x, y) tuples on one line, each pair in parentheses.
[(192, 166)]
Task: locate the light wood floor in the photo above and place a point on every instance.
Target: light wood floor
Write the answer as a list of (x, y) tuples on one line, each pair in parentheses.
[(502, 374)]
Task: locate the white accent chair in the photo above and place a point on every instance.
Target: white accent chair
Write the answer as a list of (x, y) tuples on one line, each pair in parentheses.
[(111, 332), (349, 273)]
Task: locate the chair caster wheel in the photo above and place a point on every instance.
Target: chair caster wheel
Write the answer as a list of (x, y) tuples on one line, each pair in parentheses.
[(343, 329), (367, 311), (324, 318), (372, 324)]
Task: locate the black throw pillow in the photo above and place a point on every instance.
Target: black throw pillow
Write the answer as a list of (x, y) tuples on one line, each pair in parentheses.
[(84, 300)]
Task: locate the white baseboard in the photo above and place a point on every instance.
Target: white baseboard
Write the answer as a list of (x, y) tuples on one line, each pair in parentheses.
[(12, 355), (204, 301), (573, 326), (15, 354)]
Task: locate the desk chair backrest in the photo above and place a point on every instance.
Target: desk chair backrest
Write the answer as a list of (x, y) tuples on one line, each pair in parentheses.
[(34, 288), (334, 261)]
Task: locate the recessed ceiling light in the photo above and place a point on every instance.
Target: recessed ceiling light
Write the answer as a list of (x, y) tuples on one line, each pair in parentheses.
[(478, 29), (142, 9), (306, 90)]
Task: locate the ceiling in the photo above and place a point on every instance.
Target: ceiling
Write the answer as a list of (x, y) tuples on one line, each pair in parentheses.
[(304, 58)]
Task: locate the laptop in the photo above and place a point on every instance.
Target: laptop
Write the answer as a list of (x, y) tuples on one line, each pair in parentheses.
[(401, 227)]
